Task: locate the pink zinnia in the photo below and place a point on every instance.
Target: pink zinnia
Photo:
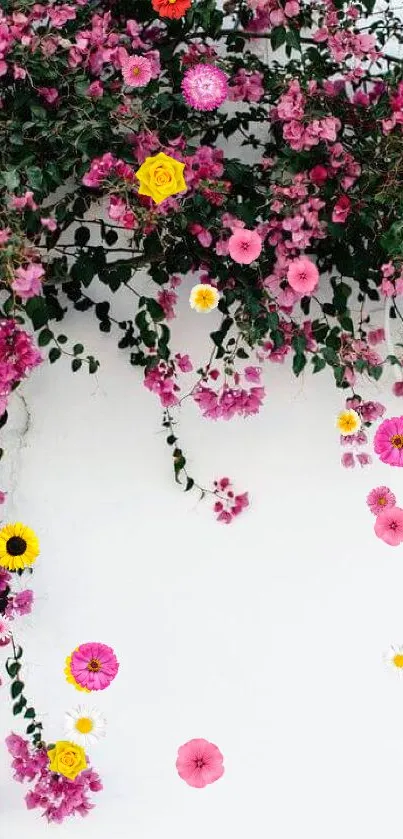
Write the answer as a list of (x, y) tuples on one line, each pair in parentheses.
[(380, 499), (389, 526), (303, 275), (136, 71), (94, 666), (244, 245), (199, 763), (204, 87), (388, 442)]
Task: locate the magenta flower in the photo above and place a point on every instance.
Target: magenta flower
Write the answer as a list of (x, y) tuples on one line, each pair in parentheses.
[(303, 275), (379, 499), (199, 763), (27, 281), (389, 526), (136, 71), (388, 441), (204, 87), (94, 666), (244, 245)]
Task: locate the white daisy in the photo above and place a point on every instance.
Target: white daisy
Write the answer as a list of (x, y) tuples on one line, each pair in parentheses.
[(84, 725), (394, 657), (5, 629)]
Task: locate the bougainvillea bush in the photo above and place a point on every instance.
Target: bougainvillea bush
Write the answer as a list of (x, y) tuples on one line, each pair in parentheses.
[(113, 118)]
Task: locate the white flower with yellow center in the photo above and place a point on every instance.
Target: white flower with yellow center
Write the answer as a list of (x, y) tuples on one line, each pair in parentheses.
[(394, 657), (348, 422), (84, 726), (204, 297)]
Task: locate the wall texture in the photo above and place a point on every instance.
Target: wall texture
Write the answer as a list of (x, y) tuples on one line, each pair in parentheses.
[(265, 637)]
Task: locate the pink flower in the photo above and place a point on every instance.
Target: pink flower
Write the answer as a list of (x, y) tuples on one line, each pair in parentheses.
[(389, 526), (27, 281), (5, 629), (379, 499), (252, 374), (347, 460), (363, 458), (22, 202), (49, 223), (136, 71), (388, 441), (22, 602), (3, 496), (184, 363), (244, 245), (303, 275), (204, 87), (398, 388), (95, 90), (376, 336), (318, 175), (199, 763), (341, 209), (94, 666)]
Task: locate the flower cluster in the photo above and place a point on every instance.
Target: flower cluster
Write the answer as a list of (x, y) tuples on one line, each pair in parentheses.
[(57, 796), (18, 357)]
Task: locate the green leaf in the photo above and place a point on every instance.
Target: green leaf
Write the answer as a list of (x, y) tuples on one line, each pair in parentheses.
[(82, 236), (54, 354), (278, 37), (298, 363), (78, 349), (318, 363), (18, 706), (13, 667), (76, 364), (16, 688), (30, 713), (37, 311), (44, 337), (30, 728), (93, 364), (154, 309), (189, 484), (35, 177)]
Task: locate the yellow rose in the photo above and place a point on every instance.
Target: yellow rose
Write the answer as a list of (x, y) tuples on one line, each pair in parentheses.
[(67, 759), (160, 177)]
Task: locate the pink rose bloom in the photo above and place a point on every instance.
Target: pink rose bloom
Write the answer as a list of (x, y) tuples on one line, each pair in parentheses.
[(136, 71), (244, 246), (95, 90), (199, 763), (380, 499), (27, 281), (49, 94), (389, 526), (341, 209), (388, 441), (318, 175), (303, 275)]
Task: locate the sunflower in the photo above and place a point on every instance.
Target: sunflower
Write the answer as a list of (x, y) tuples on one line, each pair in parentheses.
[(19, 546)]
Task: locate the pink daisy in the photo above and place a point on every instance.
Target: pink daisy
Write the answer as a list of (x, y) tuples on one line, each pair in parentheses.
[(136, 71), (199, 763), (303, 275), (244, 245), (388, 441), (204, 87), (380, 499), (389, 526), (94, 666)]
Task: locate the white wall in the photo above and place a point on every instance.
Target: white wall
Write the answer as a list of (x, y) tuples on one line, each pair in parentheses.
[(265, 637)]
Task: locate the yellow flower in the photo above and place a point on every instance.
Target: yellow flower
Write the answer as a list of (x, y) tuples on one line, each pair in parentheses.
[(160, 177), (67, 759), (348, 422), (204, 297), (69, 676), (19, 546)]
